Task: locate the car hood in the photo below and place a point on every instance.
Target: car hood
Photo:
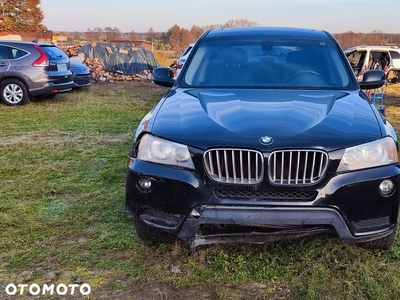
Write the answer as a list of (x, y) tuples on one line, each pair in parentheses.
[(79, 68), (326, 120)]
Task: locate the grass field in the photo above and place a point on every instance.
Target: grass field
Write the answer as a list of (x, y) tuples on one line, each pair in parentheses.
[(62, 219)]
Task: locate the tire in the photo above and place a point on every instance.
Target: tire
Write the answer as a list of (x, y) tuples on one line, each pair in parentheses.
[(13, 92), (384, 243), (151, 234)]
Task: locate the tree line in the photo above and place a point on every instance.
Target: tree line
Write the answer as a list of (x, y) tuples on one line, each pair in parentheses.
[(376, 37), (177, 38)]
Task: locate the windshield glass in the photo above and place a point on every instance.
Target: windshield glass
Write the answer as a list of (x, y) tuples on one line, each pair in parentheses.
[(267, 63)]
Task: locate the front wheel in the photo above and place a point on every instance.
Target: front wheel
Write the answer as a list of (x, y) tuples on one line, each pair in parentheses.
[(13, 92), (383, 243)]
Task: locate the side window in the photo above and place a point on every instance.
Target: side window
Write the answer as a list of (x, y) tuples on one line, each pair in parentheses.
[(395, 54), (379, 60), (17, 53), (357, 60), (354, 58), (6, 52)]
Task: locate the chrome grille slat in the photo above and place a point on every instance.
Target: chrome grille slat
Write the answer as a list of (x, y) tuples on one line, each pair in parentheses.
[(234, 166), (290, 166), (282, 163), (219, 166), (298, 168), (226, 164), (241, 166), (311, 166), (257, 175), (211, 164), (305, 169)]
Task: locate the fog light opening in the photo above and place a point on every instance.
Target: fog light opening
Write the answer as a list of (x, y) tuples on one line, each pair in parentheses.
[(144, 183), (386, 188)]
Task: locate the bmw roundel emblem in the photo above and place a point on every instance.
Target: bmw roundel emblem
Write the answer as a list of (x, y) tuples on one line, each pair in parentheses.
[(266, 140)]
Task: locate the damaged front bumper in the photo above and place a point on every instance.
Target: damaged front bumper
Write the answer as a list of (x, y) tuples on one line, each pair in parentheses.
[(268, 224)]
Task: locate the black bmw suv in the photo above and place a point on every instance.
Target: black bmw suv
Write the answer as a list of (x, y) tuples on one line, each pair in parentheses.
[(266, 134), (29, 69)]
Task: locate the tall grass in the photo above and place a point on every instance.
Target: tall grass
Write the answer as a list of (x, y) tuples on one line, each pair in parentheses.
[(62, 219)]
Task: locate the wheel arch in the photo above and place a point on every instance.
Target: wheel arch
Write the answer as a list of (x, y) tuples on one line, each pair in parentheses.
[(23, 80)]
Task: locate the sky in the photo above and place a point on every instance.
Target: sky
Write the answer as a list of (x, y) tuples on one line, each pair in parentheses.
[(335, 16)]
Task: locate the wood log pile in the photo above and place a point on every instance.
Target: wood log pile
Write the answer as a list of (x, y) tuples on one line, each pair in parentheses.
[(98, 74)]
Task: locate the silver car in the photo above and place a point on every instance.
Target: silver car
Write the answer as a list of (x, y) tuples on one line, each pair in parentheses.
[(29, 69)]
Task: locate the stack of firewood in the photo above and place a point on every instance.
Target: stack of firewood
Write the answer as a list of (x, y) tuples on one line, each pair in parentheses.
[(98, 74), (71, 50)]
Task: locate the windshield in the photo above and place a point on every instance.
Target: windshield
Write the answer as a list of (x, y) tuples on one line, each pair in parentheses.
[(267, 62)]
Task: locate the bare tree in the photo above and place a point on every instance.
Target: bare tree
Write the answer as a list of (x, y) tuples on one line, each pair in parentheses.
[(108, 33), (151, 35), (77, 36), (89, 35), (240, 23), (232, 23), (132, 36), (117, 34), (98, 33)]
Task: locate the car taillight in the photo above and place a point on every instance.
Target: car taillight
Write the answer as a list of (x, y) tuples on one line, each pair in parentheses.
[(181, 62), (42, 61)]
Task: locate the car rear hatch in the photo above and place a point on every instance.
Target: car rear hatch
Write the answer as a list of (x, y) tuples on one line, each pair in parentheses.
[(58, 68)]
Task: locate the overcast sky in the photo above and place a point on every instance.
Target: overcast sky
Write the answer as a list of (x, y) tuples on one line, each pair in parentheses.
[(336, 16)]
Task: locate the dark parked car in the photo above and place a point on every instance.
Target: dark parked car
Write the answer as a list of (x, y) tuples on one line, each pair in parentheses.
[(29, 69), (265, 135), (80, 74)]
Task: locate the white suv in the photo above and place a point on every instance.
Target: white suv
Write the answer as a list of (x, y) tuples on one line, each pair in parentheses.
[(385, 58)]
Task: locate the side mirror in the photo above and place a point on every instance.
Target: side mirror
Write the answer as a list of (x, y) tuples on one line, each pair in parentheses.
[(163, 76), (372, 79)]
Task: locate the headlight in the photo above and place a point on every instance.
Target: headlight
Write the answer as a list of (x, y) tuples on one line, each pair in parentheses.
[(377, 153), (157, 150)]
